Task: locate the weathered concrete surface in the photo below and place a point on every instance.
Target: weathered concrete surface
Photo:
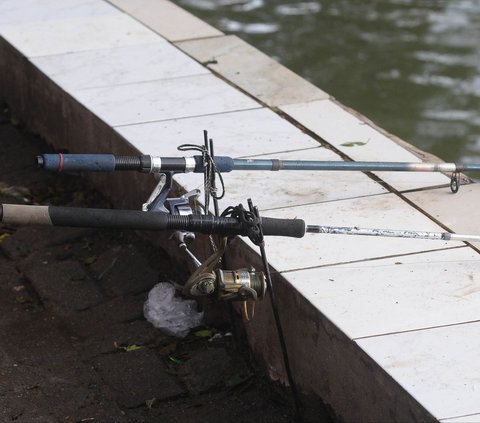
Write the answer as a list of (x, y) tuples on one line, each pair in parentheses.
[(324, 345), (259, 75), (170, 21), (66, 124), (65, 330)]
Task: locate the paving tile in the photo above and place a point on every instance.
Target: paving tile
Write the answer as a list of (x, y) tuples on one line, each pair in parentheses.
[(472, 418), (338, 127), (212, 369), (272, 190), (236, 134), (252, 70), (459, 212), (406, 181), (80, 34), (436, 366), (28, 239), (410, 290), (115, 66), (113, 338), (30, 11), (247, 134), (137, 376), (343, 130), (117, 271), (385, 211), (64, 285), (164, 99), (168, 19), (113, 312)]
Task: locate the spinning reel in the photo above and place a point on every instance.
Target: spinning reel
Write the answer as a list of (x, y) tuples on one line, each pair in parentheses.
[(208, 279), (242, 284)]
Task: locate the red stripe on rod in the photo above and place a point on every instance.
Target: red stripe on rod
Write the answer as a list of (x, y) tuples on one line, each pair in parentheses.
[(60, 165)]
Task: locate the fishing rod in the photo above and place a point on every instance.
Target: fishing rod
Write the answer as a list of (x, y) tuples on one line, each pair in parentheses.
[(225, 164), (18, 214), (206, 224)]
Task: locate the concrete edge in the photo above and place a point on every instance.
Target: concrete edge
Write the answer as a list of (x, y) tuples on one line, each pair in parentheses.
[(151, 12)]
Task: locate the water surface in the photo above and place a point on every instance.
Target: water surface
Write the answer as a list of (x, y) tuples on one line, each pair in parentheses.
[(412, 66)]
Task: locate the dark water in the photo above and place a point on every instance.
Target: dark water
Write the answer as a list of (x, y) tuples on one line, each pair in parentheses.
[(412, 66)]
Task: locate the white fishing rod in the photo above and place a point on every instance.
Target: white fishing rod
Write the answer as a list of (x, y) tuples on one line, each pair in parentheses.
[(391, 233), (207, 224)]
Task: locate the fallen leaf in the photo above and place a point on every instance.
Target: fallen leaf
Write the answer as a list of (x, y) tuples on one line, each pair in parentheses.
[(90, 260), (128, 348), (132, 347), (175, 359), (210, 62), (21, 299), (354, 143), (205, 333), (152, 403)]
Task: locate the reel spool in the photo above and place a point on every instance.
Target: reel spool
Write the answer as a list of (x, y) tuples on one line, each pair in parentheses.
[(242, 284), (236, 285), (233, 285)]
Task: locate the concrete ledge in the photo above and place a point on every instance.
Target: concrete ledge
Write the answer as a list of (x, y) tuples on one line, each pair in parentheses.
[(324, 360), (252, 71), (164, 17)]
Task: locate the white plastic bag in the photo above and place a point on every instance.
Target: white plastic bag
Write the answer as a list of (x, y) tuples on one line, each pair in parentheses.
[(174, 315)]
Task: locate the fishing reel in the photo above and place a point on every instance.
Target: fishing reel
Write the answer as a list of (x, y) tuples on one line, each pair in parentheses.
[(227, 285), (208, 280)]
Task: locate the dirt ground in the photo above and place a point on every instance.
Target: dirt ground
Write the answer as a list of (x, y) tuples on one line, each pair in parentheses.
[(75, 346)]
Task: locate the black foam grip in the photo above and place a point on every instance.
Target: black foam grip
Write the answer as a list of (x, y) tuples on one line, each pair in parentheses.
[(159, 221), (207, 224), (294, 228), (106, 218), (140, 220)]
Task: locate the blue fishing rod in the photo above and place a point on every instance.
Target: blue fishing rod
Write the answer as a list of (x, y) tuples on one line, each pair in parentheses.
[(224, 164)]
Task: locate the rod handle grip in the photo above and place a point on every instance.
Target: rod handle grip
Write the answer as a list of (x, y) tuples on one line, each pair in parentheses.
[(294, 228), (77, 162), (138, 220)]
